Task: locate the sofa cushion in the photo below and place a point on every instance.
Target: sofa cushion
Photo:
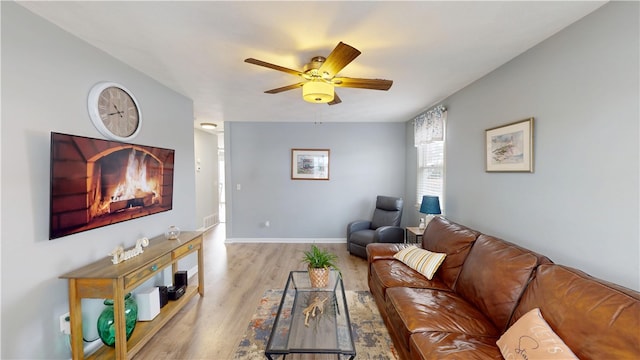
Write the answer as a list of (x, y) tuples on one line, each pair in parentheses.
[(533, 338), (444, 236), (494, 276), (393, 273), (419, 310), (444, 346), (596, 319), (423, 261)]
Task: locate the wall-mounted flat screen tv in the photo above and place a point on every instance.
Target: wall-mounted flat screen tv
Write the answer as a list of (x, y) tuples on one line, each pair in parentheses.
[(97, 182)]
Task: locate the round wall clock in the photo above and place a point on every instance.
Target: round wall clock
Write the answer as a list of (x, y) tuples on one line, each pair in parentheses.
[(114, 111)]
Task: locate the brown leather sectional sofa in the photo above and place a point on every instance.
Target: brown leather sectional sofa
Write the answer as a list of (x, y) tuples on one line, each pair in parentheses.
[(486, 284)]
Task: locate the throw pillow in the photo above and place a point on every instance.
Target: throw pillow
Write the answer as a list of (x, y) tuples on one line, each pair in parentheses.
[(532, 338), (421, 260)]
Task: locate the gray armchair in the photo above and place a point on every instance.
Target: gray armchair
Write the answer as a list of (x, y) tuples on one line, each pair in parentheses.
[(384, 227)]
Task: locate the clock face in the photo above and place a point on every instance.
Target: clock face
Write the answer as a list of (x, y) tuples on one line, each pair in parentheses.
[(114, 111), (118, 111)]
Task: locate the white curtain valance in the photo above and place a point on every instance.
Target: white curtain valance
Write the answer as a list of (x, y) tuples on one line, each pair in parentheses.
[(429, 126)]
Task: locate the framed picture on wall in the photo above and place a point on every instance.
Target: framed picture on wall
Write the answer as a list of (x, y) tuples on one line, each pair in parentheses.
[(310, 164), (509, 148)]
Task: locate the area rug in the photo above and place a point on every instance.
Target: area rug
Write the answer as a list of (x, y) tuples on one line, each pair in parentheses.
[(369, 333)]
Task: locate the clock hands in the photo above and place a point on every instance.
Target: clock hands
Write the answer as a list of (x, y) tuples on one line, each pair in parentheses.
[(117, 111)]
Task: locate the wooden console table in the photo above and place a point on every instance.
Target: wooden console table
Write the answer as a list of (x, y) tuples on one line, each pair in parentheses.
[(104, 280)]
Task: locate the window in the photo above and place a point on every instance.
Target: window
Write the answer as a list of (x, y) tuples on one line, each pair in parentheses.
[(429, 141), (430, 170)]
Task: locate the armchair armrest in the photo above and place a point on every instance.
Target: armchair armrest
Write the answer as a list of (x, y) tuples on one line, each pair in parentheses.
[(389, 234), (357, 225)]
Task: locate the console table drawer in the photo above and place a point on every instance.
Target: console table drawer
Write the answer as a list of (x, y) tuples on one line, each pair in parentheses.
[(144, 273), (187, 248)]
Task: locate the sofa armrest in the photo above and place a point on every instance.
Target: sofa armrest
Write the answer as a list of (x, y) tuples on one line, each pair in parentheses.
[(381, 251), (357, 225), (389, 234)]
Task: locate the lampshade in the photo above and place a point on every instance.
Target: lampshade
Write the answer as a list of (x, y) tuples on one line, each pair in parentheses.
[(430, 205), (317, 92)]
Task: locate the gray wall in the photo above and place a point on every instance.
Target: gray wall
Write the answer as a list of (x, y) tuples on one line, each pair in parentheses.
[(206, 157), (366, 159), (46, 76), (581, 206)]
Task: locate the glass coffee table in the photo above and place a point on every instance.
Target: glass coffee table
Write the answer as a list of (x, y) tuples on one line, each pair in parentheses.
[(298, 329)]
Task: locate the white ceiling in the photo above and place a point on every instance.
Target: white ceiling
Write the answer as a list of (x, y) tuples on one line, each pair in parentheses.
[(429, 49)]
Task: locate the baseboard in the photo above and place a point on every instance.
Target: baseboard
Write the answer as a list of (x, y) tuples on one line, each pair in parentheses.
[(287, 240), (192, 272)]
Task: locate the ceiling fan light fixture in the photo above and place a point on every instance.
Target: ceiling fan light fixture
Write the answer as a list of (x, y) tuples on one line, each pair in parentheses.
[(317, 92), (208, 125)]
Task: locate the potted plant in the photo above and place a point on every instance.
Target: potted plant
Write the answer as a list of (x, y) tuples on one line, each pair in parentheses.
[(319, 263)]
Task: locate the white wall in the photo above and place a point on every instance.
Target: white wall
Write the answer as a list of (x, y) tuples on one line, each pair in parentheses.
[(366, 160), (581, 206), (46, 76)]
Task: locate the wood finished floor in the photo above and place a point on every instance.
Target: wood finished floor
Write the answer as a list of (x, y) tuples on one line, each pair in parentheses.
[(236, 275)]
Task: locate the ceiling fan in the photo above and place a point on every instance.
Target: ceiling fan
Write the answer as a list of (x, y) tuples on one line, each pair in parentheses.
[(319, 76)]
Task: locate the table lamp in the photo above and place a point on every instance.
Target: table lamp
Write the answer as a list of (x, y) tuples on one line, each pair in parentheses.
[(430, 206)]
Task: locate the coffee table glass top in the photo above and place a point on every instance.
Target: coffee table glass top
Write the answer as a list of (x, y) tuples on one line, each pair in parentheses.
[(297, 329)]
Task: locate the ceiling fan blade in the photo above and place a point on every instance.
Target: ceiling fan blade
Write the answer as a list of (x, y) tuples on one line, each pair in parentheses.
[(336, 99), (374, 84), (272, 66), (284, 88), (340, 57)]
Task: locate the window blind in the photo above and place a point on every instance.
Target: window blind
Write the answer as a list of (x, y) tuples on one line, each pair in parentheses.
[(430, 170)]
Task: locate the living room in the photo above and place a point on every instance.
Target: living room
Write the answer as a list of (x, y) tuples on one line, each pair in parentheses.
[(580, 206)]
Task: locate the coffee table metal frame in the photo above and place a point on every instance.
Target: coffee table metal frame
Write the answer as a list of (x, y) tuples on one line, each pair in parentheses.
[(328, 332)]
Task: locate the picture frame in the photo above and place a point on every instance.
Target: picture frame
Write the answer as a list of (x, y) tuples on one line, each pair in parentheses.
[(509, 147), (310, 164)]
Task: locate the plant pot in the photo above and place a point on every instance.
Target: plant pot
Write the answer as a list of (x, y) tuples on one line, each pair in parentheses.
[(319, 277)]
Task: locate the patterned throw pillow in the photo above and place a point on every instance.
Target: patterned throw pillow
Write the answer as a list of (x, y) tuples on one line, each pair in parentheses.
[(421, 260), (532, 338)]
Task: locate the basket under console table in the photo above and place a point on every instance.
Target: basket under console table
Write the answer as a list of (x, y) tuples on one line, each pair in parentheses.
[(104, 280)]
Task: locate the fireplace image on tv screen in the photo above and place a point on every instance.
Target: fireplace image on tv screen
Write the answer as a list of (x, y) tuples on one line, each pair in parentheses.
[(98, 182)]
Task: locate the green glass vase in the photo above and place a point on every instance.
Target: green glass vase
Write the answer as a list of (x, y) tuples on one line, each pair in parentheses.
[(106, 323)]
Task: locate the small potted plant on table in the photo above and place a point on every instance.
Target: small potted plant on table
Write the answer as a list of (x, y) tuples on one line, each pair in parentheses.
[(319, 263)]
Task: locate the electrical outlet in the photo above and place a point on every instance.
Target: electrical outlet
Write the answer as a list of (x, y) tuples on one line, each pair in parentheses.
[(65, 324)]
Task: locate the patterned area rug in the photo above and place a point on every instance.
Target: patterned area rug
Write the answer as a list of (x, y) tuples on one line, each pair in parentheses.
[(369, 333)]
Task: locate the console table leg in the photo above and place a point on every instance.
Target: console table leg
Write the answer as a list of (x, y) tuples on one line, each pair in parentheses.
[(119, 319), (201, 269), (75, 321)]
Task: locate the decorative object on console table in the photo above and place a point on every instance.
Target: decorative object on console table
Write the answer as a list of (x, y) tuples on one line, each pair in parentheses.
[(172, 233), (319, 263), (119, 255), (509, 148), (430, 206), (310, 164), (106, 322)]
